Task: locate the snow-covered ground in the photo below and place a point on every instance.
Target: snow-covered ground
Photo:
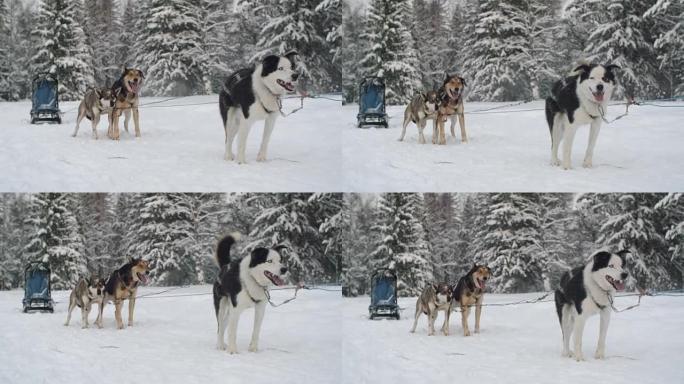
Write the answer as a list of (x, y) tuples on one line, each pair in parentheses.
[(181, 149), (510, 152), (172, 341), (517, 344)]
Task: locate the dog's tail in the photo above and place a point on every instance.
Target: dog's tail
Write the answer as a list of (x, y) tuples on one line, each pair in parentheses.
[(223, 248), (551, 109)]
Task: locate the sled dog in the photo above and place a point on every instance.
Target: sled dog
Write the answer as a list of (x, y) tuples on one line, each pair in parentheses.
[(85, 293), (585, 291), (423, 107), (241, 284), (469, 291), (579, 100), (253, 94), (434, 298), (122, 285), (91, 107), (125, 98), (451, 106)]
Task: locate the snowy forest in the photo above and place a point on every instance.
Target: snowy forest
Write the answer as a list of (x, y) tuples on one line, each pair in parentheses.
[(511, 50), (84, 234), (528, 240), (184, 47)]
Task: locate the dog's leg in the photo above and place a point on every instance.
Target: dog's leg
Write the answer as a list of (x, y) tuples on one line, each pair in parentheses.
[(435, 130), (268, 129), (568, 138), (445, 325), (478, 312), (114, 124), (131, 308), (243, 132), (222, 316), (465, 311), (87, 314), (231, 129), (98, 321), (72, 305), (80, 117), (136, 121), (421, 129), (407, 120), (259, 311), (577, 337), (566, 328), (461, 123), (453, 126), (127, 118), (117, 313), (432, 316), (601, 348), (415, 320), (95, 121), (85, 309), (442, 133), (593, 136), (233, 318), (556, 136)]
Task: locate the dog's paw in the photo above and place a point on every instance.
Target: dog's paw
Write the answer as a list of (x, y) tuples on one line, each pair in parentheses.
[(579, 357), (253, 348), (477, 330), (221, 346), (84, 326), (130, 323), (233, 350), (466, 332), (261, 158), (566, 354), (599, 355), (445, 332), (555, 162), (567, 166), (588, 164), (228, 157), (66, 324)]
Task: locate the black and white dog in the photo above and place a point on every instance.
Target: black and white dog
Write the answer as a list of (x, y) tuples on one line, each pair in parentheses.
[(578, 100), (585, 291), (241, 284), (253, 94)]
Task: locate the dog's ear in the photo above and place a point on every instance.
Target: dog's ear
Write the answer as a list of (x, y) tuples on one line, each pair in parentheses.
[(582, 68), (291, 55), (623, 255), (611, 67), (141, 73), (269, 65), (463, 81), (446, 75), (423, 95)]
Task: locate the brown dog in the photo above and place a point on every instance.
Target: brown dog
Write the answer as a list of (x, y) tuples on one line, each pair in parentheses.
[(125, 98), (451, 105), (468, 292), (121, 285)]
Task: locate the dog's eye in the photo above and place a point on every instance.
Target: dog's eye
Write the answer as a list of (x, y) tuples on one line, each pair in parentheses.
[(611, 266), (280, 68), (592, 78), (269, 261)]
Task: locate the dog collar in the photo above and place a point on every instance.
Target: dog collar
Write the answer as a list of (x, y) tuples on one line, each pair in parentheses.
[(255, 301)]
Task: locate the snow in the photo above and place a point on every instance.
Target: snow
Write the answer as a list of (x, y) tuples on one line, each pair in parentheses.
[(516, 344), (172, 341), (181, 149), (510, 152)]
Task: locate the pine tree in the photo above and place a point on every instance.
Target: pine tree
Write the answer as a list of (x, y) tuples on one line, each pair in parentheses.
[(671, 209), (55, 238), (509, 242), (668, 24), (171, 49), (401, 246), (391, 49), (356, 271), (163, 234), (103, 30), (352, 49), (63, 50), (636, 226), (430, 32)]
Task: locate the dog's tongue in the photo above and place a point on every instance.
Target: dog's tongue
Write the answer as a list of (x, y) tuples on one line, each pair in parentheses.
[(598, 96), (620, 285), (482, 284), (143, 278)]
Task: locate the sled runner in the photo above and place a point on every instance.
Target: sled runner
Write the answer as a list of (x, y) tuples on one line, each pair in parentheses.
[(372, 102), (37, 295), (383, 295), (45, 100)]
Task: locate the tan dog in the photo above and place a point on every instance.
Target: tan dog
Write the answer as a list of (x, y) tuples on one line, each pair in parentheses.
[(468, 292), (125, 98), (451, 105), (434, 298), (121, 285)]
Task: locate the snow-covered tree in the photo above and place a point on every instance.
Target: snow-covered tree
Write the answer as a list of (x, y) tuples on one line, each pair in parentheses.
[(55, 238), (63, 50), (103, 28), (352, 50), (391, 50), (509, 242), (401, 246), (171, 49), (668, 24), (164, 231)]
